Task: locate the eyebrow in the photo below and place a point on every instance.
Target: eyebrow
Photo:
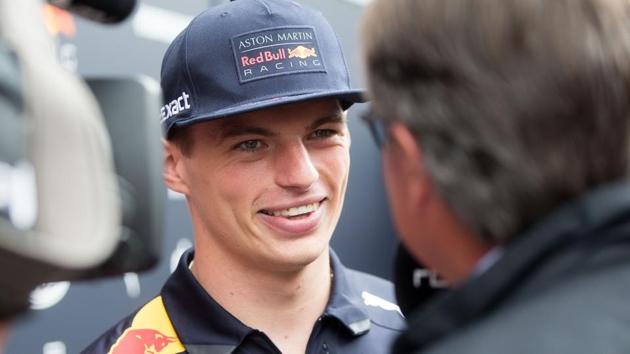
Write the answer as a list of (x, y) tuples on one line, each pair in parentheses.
[(334, 118), (239, 129)]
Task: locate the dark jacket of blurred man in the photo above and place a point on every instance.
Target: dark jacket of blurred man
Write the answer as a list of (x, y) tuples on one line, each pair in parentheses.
[(257, 141), (505, 134)]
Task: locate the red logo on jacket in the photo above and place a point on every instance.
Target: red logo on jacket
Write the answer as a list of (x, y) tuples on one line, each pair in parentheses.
[(141, 341)]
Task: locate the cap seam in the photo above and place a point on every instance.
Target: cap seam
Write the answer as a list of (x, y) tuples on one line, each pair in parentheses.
[(264, 4), (187, 67)]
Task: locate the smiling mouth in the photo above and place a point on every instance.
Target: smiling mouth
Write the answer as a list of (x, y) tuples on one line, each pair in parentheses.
[(297, 212)]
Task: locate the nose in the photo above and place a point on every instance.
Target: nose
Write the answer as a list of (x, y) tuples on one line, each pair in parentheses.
[(294, 167)]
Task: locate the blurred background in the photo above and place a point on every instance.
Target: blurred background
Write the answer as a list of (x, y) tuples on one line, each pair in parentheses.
[(67, 316)]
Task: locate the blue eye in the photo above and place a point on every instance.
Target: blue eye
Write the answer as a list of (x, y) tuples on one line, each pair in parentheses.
[(249, 145), (323, 133)]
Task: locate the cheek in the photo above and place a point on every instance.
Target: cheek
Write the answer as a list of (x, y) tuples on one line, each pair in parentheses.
[(217, 189), (390, 183), (398, 197), (242, 183), (334, 166)]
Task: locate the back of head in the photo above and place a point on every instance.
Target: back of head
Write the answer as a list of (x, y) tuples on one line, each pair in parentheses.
[(518, 105)]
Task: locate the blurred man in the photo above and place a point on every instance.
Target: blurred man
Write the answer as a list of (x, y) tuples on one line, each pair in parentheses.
[(257, 141), (3, 336), (504, 132)]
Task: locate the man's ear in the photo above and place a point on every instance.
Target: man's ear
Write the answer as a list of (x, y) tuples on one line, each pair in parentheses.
[(403, 155), (174, 174)]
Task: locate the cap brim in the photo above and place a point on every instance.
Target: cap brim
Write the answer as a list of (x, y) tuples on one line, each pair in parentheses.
[(346, 98)]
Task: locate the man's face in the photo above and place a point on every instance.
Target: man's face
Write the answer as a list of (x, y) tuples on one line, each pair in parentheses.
[(399, 179), (266, 188)]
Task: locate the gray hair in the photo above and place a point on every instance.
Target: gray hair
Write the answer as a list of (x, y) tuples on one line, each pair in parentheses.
[(518, 105)]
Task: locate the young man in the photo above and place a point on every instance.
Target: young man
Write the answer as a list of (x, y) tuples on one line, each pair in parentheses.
[(504, 126), (258, 143)]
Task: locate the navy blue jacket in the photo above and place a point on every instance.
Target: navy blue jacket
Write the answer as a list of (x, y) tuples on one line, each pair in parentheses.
[(561, 287), (360, 318)]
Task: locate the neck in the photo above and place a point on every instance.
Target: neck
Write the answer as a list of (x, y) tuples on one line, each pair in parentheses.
[(282, 304), (456, 251)]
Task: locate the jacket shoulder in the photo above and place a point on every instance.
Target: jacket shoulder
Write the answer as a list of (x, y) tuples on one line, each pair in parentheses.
[(103, 343), (584, 315), (149, 327)]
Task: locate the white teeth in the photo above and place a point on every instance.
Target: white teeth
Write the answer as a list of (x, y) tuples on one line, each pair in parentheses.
[(304, 209)]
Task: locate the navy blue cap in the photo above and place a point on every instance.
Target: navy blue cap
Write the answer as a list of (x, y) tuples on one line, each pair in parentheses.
[(248, 55)]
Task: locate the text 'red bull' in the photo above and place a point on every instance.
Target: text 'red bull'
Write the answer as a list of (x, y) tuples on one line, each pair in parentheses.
[(264, 57)]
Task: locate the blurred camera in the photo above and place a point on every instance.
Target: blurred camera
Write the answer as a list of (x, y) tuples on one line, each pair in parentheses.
[(73, 205)]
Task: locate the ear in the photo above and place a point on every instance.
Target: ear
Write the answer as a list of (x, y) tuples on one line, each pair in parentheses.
[(404, 162), (174, 174)]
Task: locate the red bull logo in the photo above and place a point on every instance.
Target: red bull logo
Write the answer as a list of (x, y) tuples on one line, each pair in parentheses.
[(58, 21), (302, 52), (141, 341), (277, 51)]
